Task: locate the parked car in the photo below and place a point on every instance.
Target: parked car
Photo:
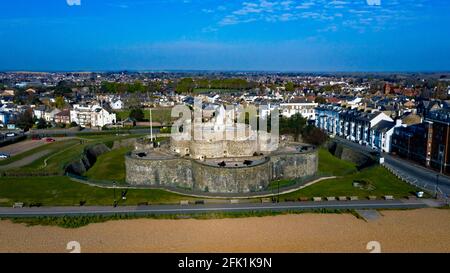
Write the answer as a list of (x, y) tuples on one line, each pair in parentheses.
[(50, 139), (4, 156), (10, 134)]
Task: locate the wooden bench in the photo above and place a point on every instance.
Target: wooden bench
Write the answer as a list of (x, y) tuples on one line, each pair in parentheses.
[(18, 205)]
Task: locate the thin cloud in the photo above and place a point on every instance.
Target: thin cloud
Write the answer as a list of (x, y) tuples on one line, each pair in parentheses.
[(333, 15), (73, 2)]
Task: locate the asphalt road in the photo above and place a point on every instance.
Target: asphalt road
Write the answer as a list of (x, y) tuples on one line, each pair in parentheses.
[(423, 177), (192, 209)]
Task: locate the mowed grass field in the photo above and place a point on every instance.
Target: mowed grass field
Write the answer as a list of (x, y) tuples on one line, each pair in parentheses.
[(60, 154), (162, 115), (61, 191), (331, 165), (380, 181), (110, 166)]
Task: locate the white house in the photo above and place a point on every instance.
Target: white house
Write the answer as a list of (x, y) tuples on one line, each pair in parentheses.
[(49, 115), (39, 112), (91, 116), (101, 117), (306, 109), (381, 135), (117, 104)]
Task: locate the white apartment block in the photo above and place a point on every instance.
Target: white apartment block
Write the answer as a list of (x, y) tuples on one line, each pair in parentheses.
[(91, 116), (307, 110)]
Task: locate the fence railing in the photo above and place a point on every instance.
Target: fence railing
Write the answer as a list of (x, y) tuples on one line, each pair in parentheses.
[(427, 187)]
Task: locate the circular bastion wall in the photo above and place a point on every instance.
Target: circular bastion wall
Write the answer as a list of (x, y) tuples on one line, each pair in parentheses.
[(207, 176), (214, 149)]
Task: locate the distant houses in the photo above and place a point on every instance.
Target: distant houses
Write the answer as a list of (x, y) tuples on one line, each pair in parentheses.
[(62, 117)]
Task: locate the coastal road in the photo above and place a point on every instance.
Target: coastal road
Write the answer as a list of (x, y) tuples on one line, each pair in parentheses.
[(211, 208), (421, 176)]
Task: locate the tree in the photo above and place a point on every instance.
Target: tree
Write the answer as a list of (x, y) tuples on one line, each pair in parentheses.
[(59, 102), (64, 88), (185, 85), (25, 120), (293, 125), (42, 124), (289, 87), (314, 135), (137, 114), (320, 100)]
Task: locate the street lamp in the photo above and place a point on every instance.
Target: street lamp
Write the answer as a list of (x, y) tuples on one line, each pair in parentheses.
[(437, 186), (114, 190), (278, 198)]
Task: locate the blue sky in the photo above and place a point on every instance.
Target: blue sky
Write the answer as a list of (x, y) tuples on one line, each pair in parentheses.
[(286, 35)]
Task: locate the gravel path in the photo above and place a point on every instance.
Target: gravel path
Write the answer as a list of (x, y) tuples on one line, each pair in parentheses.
[(422, 230)]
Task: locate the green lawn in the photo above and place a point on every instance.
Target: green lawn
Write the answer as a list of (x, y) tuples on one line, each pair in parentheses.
[(331, 165), (158, 114), (62, 153), (382, 183), (109, 166), (61, 191)]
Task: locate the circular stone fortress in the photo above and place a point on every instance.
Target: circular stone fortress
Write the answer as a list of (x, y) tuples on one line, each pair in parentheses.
[(228, 157)]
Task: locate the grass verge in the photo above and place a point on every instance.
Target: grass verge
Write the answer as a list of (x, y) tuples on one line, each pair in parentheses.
[(61, 191), (381, 182), (80, 221)]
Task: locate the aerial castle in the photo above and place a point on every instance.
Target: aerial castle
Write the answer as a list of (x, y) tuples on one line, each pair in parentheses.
[(220, 155)]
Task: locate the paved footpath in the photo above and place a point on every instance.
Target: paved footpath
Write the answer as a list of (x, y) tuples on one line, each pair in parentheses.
[(240, 207)]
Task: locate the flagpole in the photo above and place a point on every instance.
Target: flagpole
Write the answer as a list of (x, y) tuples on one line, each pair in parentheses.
[(151, 124)]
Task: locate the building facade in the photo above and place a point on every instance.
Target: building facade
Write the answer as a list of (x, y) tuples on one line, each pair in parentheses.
[(438, 144), (307, 110), (354, 125), (91, 116)]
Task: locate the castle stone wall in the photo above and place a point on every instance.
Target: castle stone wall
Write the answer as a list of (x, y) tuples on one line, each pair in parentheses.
[(201, 176)]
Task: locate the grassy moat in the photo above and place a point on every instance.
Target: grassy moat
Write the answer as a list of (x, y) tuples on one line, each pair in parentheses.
[(62, 191)]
